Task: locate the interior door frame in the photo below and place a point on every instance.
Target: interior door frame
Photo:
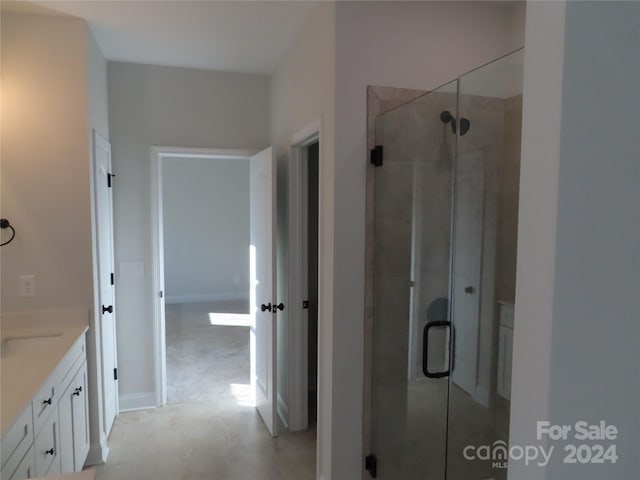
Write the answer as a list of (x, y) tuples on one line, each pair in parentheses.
[(297, 320), (157, 248), (99, 449)]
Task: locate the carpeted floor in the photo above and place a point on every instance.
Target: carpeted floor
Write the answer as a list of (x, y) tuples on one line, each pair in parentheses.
[(209, 430), (204, 361)]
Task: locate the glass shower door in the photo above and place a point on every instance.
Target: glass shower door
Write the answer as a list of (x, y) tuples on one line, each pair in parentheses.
[(484, 240), (411, 283), (444, 269)]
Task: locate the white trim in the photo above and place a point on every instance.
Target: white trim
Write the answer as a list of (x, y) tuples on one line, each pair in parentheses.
[(137, 401), (207, 297), (297, 322), (283, 411), (157, 248), (98, 452)]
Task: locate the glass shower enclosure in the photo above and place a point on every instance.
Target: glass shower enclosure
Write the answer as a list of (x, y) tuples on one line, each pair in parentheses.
[(442, 279)]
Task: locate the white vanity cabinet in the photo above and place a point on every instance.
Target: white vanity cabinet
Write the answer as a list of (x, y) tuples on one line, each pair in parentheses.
[(51, 435), (74, 423)]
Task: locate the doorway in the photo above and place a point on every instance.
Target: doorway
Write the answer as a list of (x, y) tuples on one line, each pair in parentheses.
[(205, 217), (303, 321), (187, 290)]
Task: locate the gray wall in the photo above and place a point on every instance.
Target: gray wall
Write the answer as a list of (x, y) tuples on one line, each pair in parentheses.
[(164, 106), (577, 334), (206, 229)]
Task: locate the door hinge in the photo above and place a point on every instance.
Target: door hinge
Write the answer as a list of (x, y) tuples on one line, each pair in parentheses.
[(305, 304), (115, 373), (376, 156), (109, 176), (371, 465), (113, 279)]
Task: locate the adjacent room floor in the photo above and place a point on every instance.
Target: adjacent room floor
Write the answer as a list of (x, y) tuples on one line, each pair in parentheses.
[(209, 430)]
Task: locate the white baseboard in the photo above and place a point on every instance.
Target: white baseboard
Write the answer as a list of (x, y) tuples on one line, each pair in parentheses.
[(481, 395), (98, 454), (137, 401), (283, 411), (207, 297)]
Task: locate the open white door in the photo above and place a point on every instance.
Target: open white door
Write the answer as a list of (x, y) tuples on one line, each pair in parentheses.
[(263, 287), (106, 308), (467, 265)]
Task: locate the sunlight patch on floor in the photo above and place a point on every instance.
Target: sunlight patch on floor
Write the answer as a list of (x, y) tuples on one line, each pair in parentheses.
[(243, 394), (230, 319)]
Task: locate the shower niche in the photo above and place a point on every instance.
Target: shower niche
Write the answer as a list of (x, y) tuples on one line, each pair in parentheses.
[(442, 213)]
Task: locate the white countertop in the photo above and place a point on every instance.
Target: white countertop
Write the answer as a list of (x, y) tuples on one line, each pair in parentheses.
[(32, 345)]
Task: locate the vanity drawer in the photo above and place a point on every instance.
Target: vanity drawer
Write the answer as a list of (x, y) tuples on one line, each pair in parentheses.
[(68, 366), (46, 446), (16, 442)]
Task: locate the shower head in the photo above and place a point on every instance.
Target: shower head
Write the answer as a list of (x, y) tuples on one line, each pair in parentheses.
[(465, 124)]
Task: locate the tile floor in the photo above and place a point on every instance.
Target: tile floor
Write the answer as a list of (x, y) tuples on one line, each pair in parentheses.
[(208, 431)]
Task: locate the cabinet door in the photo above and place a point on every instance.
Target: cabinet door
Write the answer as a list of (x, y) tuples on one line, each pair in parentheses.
[(27, 467), (505, 359), (46, 445), (65, 414), (80, 411)]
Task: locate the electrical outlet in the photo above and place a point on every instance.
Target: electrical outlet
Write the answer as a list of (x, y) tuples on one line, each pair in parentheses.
[(27, 285)]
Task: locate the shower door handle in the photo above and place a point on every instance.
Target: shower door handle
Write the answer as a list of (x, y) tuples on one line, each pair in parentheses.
[(425, 350)]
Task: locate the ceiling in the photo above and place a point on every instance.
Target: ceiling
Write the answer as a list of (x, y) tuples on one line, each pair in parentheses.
[(234, 36)]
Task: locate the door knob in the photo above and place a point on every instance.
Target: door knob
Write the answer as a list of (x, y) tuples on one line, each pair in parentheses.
[(469, 289), (266, 307), (280, 306), (107, 309)]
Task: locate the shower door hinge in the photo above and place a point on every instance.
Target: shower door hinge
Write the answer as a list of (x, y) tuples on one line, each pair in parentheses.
[(376, 156), (371, 465), (115, 373)]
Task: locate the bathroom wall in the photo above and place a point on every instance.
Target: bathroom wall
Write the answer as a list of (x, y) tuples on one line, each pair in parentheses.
[(45, 161), (302, 92), (578, 288), (164, 106)]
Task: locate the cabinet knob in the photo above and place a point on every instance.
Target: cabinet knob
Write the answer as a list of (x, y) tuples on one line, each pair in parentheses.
[(51, 451), (47, 401), (266, 307), (77, 391)]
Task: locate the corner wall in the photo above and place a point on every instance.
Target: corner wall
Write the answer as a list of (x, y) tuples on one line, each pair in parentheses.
[(302, 92), (577, 325)]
